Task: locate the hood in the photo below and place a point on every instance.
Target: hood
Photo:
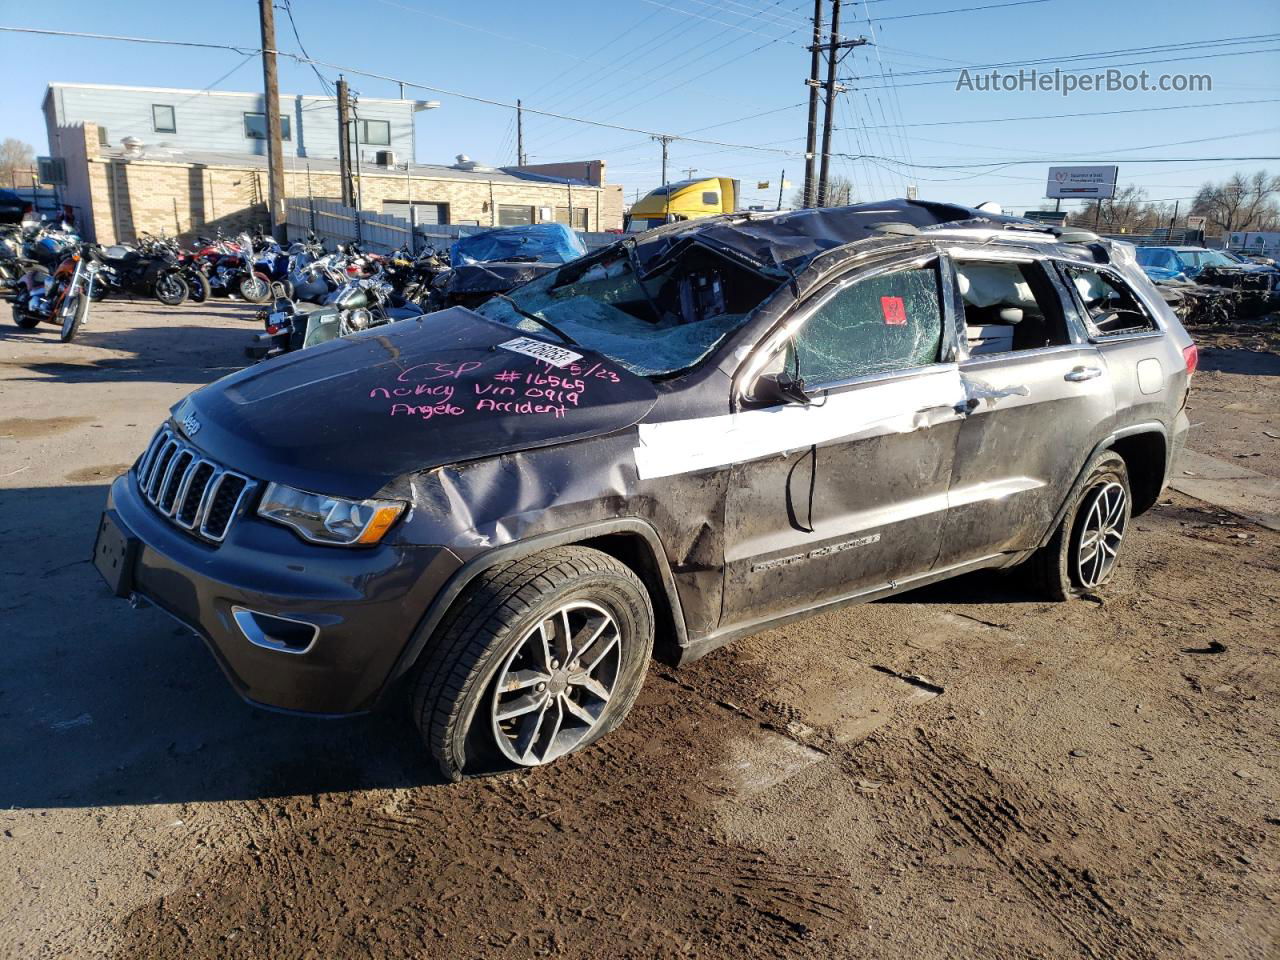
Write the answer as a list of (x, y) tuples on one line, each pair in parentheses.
[(350, 416)]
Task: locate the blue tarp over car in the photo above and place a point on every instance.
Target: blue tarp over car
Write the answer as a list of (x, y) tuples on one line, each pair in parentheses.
[(541, 242)]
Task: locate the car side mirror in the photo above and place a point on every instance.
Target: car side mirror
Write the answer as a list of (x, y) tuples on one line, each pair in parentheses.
[(772, 389)]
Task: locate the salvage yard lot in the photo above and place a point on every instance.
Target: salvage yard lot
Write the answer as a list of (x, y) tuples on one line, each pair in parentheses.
[(960, 771)]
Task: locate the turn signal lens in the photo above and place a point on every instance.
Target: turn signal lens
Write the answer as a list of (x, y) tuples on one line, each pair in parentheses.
[(1191, 355), (383, 518)]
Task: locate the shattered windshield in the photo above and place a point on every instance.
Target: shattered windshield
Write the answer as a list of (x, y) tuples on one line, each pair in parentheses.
[(662, 324)]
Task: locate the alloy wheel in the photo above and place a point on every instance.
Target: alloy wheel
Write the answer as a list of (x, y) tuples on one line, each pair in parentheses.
[(554, 686), (1100, 534)]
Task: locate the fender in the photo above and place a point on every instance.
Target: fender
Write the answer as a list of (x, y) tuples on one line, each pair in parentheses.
[(463, 576), (1106, 443)]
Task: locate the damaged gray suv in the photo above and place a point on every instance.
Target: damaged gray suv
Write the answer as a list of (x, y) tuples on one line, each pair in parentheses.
[(680, 439)]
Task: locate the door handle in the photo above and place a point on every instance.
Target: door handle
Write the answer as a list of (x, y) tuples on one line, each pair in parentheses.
[(1080, 374)]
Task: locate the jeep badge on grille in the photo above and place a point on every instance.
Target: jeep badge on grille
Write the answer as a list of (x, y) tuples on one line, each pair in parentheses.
[(191, 425)]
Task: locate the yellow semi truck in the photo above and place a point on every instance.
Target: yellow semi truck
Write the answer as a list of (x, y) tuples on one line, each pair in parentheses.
[(683, 200)]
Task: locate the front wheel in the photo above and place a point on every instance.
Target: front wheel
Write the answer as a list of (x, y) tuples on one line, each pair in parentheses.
[(254, 288), (73, 316), (1081, 556), (538, 658), (171, 289)]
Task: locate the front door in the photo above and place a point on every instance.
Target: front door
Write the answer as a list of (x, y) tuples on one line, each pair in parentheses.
[(1041, 396), (855, 495)]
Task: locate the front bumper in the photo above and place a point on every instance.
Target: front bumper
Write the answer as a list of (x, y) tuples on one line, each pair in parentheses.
[(364, 604)]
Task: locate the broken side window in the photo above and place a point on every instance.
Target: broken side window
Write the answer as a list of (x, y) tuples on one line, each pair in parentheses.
[(1009, 306), (891, 321), (1111, 308)]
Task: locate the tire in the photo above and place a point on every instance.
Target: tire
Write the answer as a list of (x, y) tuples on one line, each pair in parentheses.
[(71, 322), (198, 285), (171, 289), (253, 288), (492, 632), (23, 319), (1065, 567)]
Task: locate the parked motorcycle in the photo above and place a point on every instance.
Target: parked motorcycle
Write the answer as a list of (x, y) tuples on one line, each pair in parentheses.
[(359, 304), (59, 296), (149, 270), (232, 270)]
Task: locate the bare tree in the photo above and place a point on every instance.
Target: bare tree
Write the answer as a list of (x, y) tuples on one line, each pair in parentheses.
[(839, 193), (1128, 211), (1244, 202), (16, 160)]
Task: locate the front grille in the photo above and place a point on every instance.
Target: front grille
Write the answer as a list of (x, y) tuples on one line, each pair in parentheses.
[(196, 493)]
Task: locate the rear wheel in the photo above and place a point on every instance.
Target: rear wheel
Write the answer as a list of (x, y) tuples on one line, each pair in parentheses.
[(1081, 557), (23, 319), (538, 658), (198, 285), (171, 289)]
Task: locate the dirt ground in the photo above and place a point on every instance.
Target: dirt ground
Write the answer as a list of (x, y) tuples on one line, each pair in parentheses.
[(964, 771)]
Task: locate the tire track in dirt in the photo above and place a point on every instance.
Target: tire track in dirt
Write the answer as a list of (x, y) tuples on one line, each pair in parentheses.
[(614, 852), (982, 811)]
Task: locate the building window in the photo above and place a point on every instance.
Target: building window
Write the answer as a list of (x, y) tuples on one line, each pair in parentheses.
[(579, 221), (103, 140), (510, 215), (255, 126), (373, 133), (162, 118)]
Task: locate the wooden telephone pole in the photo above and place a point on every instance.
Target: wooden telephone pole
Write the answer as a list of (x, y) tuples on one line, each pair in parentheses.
[(275, 158), (344, 143), (521, 159), (815, 189)]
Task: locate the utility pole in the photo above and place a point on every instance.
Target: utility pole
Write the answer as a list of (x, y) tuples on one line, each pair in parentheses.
[(811, 142), (275, 159), (344, 143), (689, 172), (665, 140), (782, 180), (831, 102), (833, 48), (520, 158)]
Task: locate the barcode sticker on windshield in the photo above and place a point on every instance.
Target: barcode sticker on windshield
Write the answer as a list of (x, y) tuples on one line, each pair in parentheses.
[(546, 352)]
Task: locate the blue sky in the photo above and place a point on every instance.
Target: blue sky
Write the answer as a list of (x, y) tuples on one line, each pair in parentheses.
[(688, 66)]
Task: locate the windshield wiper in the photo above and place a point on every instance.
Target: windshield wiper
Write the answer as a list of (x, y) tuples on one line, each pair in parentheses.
[(538, 320)]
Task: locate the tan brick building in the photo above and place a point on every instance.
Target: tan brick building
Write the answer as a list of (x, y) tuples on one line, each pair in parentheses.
[(118, 194)]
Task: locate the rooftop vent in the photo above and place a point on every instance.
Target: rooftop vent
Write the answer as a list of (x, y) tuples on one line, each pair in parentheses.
[(133, 148), (466, 163)]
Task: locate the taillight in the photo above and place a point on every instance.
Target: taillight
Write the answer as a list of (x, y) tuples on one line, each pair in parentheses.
[(1191, 356), (272, 329)]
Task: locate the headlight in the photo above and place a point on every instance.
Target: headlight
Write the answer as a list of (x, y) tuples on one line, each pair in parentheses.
[(333, 520)]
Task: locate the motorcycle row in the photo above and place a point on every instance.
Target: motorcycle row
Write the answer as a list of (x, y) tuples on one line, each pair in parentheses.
[(314, 295)]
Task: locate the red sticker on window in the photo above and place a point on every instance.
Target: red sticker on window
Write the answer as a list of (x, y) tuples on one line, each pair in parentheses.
[(894, 310)]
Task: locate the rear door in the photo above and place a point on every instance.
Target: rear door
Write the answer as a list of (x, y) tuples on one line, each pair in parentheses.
[(1039, 395)]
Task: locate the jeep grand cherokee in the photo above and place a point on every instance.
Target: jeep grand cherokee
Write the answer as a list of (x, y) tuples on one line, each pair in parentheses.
[(682, 438)]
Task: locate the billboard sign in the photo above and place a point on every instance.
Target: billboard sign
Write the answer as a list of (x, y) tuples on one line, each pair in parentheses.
[(1082, 183)]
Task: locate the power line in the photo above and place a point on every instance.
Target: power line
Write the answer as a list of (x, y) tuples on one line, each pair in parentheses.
[(1094, 54), (1110, 66), (324, 84), (939, 13), (443, 91), (1090, 113)]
